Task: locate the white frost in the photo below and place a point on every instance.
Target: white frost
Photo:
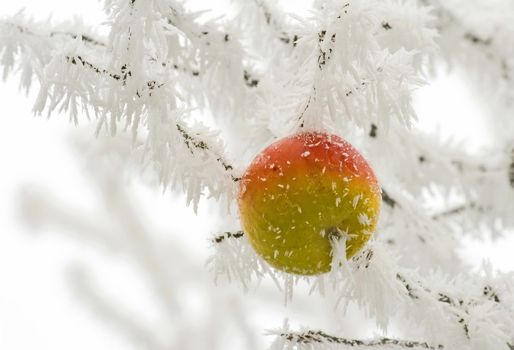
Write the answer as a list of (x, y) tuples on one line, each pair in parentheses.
[(356, 200), (364, 219)]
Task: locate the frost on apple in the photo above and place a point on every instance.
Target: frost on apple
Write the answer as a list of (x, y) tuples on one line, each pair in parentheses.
[(364, 219)]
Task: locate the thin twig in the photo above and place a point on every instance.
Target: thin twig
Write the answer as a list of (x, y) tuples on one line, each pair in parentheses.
[(85, 38), (193, 142), (123, 77)]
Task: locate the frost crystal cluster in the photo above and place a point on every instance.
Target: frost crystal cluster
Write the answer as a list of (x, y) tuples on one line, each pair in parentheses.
[(200, 94)]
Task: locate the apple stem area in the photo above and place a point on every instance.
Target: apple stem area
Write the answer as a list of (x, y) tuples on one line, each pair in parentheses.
[(335, 233)]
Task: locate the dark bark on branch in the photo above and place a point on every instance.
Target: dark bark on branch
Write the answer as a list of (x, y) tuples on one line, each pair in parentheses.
[(248, 78), (459, 305), (85, 38), (124, 75), (373, 131), (193, 142), (227, 235), (387, 199), (320, 337)]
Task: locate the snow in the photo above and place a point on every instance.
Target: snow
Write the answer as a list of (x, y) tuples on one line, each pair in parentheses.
[(364, 219), (355, 200), (378, 67)]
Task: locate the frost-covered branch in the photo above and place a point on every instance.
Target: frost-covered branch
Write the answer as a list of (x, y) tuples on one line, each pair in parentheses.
[(471, 308), (461, 307), (249, 79), (57, 33), (275, 20), (165, 72), (76, 70), (311, 339), (476, 31), (331, 54), (194, 142), (125, 73), (442, 168)]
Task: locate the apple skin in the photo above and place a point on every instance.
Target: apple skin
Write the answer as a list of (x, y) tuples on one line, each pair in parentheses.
[(296, 194)]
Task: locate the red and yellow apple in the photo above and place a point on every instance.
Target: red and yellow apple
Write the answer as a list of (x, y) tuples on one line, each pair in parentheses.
[(302, 192)]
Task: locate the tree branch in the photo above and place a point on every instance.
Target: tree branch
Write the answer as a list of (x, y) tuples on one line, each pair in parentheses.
[(85, 38), (312, 337), (193, 142), (488, 44), (271, 20), (387, 199), (248, 78), (207, 35), (458, 210), (227, 235), (122, 77), (458, 305)]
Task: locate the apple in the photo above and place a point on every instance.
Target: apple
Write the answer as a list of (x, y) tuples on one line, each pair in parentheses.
[(302, 192)]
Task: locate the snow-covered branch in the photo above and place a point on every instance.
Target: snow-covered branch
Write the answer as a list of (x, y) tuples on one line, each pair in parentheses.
[(329, 53), (122, 77), (470, 307), (77, 70), (483, 36), (442, 168), (310, 339), (275, 20), (164, 73)]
